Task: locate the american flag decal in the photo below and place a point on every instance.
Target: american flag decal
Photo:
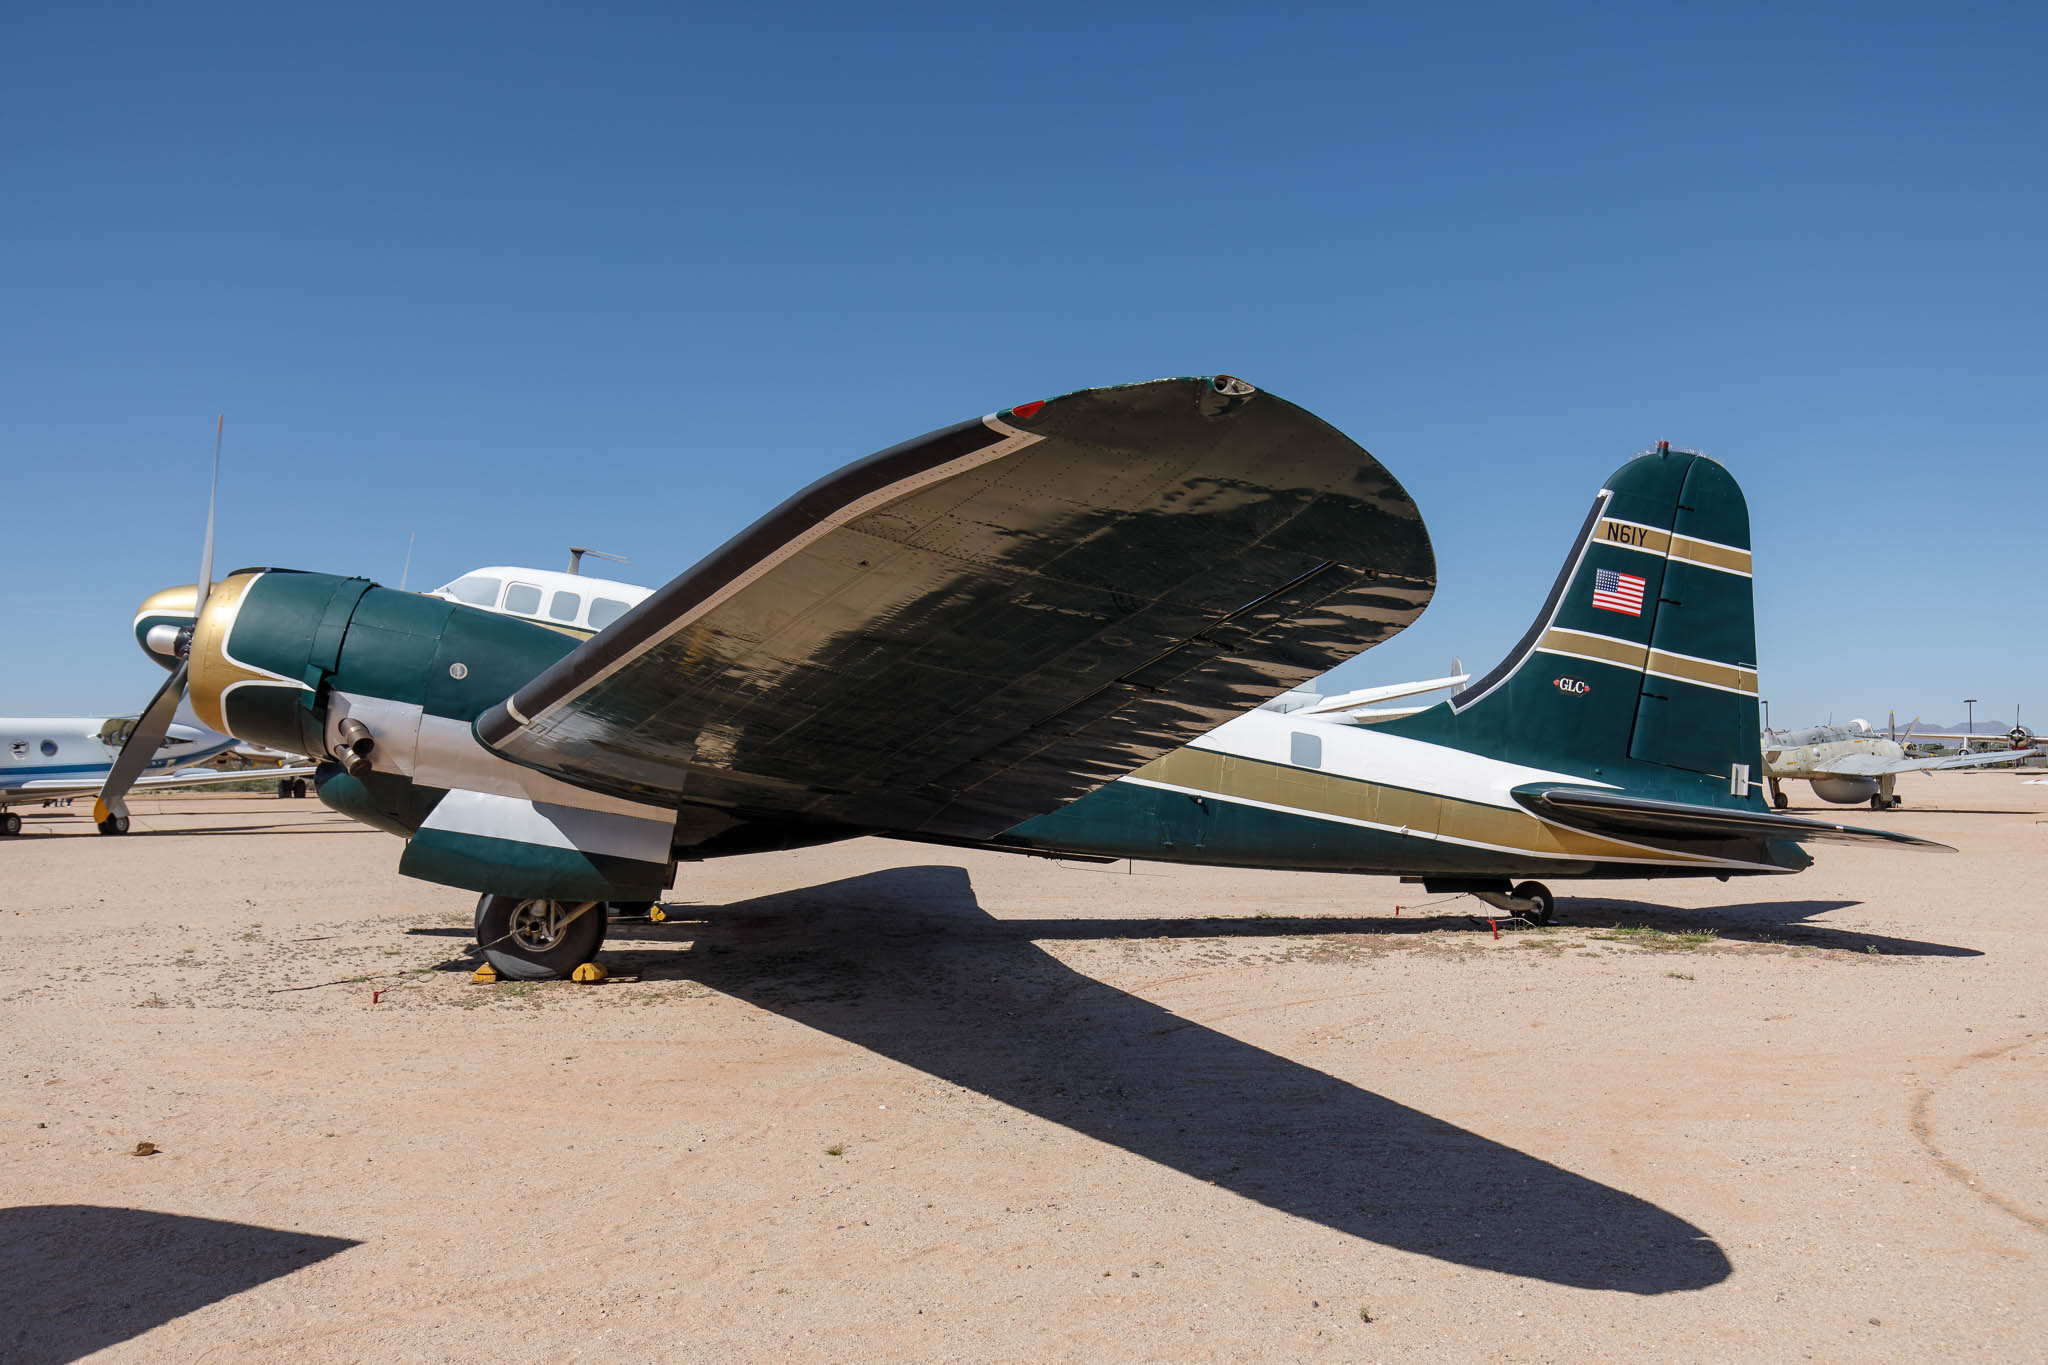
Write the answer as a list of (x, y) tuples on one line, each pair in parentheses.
[(1622, 592)]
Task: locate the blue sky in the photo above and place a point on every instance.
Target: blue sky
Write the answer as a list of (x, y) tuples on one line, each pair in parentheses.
[(626, 276)]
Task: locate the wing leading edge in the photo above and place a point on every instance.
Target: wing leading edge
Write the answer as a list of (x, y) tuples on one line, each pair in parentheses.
[(982, 624)]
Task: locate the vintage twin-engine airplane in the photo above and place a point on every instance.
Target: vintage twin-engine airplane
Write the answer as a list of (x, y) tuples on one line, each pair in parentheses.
[(1026, 632), (1845, 764)]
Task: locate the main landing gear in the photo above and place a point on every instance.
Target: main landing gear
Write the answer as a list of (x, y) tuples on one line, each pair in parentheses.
[(291, 787), (113, 824), (528, 939), (10, 823), (1531, 901), (1887, 802)]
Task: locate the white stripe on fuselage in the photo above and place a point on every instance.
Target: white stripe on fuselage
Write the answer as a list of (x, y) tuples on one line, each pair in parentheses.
[(1366, 754), (1372, 755)]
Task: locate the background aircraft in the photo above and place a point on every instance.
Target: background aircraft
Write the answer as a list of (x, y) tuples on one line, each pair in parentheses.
[(1845, 764), (1025, 632), (48, 758)]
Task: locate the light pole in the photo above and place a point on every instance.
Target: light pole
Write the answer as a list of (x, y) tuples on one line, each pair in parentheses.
[(1970, 702)]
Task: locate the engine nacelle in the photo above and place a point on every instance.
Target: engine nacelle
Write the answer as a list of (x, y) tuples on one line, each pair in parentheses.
[(1845, 791), (275, 648)]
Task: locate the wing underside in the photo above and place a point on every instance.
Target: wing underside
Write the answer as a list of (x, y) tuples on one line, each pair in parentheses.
[(980, 625)]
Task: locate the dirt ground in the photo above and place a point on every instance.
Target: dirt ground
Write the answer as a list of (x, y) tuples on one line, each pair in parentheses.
[(883, 1101)]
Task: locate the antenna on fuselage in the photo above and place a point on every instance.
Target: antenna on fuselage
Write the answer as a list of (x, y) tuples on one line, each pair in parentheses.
[(406, 572), (576, 553)]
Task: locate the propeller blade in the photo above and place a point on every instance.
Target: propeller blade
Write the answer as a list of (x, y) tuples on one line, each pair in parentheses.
[(141, 746), (212, 490)]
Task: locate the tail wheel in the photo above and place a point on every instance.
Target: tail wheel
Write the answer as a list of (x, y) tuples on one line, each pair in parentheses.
[(114, 824), (529, 939), (1543, 905)]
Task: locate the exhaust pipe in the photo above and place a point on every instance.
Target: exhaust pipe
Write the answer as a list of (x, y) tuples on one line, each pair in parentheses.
[(352, 751)]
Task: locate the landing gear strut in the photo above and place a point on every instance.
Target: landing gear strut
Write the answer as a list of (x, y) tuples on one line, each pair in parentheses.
[(1531, 901), (528, 939)]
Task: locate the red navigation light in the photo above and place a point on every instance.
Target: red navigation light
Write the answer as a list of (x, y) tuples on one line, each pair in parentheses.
[(1663, 447), (1027, 411)]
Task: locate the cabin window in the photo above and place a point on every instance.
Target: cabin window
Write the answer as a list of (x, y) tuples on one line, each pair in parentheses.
[(606, 610), (523, 598), (1305, 751), (476, 590), (49, 748), (566, 605)]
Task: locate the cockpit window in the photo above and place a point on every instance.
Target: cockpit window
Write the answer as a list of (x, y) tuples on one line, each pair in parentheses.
[(606, 610), (476, 590), (523, 598), (565, 606)]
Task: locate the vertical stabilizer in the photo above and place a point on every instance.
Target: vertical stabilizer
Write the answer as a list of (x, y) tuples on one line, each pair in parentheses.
[(1640, 670)]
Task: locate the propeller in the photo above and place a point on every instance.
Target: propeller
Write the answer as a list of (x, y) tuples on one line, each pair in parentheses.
[(110, 809)]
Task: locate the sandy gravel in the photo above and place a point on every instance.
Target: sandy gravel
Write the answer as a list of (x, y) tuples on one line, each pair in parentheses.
[(882, 1101)]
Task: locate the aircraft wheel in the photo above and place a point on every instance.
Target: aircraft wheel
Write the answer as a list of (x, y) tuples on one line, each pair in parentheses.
[(1545, 906), (114, 824), (1780, 800), (528, 939), (1877, 803), (299, 788), (10, 823)]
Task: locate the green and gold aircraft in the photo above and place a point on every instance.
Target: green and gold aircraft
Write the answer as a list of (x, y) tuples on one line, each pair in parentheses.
[(1050, 630)]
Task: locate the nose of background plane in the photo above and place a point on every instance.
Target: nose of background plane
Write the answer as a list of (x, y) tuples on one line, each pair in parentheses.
[(162, 618)]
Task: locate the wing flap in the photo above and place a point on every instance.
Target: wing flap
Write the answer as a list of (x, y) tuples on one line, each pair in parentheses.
[(1615, 813), (978, 626)]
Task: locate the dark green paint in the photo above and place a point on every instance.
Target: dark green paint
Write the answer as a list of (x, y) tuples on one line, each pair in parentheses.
[(509, 868)]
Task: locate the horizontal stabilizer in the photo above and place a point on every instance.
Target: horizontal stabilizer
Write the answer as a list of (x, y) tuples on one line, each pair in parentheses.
[(1614, 813)]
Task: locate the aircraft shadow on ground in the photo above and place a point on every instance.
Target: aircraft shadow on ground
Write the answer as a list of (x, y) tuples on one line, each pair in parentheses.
[(1754, 922), (80, 1278), (906, 964)]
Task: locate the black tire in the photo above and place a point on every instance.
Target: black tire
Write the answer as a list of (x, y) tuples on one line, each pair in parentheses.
[(1780, 800), (513, 943), (298, 789), (114, 824), (284, 788), (1545, 908), (10, 824)]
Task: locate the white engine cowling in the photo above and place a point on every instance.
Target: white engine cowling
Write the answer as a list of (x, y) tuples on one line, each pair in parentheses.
[(1845, 791)]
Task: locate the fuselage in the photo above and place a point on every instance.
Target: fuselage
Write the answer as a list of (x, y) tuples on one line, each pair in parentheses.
[(1290, 791), (75, 749)]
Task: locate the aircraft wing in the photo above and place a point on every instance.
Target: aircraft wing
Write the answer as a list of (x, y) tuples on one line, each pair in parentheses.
[(1616, 813), (986, 622), (52, 788), (1870, 765)]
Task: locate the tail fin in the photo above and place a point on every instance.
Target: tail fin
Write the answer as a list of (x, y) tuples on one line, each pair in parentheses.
[(1640, 670)]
